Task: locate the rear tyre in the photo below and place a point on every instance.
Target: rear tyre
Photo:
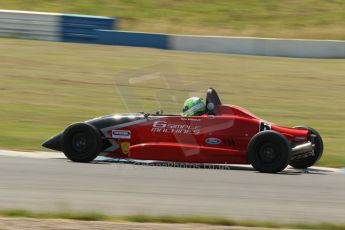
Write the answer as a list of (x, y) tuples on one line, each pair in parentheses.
[(269, 152), (318, 150), (81, 142)]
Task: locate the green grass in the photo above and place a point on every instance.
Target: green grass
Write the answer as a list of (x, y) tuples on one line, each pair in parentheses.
[(45, 86), (172, 219), (321, 19)]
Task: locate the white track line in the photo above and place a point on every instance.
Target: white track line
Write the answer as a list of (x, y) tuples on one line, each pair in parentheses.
[(38, 155), (52, 155)]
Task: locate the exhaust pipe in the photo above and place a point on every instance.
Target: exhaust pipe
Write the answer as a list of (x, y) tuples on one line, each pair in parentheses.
[(302, 150)]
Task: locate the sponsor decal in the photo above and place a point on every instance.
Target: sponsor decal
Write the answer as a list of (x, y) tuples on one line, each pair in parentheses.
[(264, 126), (165, 127), (213, 141), (125, 147), (190, 119), (121, 134)]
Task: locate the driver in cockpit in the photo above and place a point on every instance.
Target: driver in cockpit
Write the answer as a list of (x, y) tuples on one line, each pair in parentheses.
[(194, 106)]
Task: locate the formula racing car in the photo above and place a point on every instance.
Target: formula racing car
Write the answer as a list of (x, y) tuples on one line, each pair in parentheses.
[(225, 134)]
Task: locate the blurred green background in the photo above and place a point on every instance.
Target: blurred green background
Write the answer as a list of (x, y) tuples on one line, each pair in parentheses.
[(322, 19), (45, 86)]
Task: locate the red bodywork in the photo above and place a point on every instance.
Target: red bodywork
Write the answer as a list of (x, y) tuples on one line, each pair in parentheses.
[(221, 138)]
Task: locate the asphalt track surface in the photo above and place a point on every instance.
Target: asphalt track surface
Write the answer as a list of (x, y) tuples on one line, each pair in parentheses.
[(45, 181)]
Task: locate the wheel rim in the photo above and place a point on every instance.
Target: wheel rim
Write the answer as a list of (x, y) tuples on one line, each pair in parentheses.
[(267, 153), (79, 142)]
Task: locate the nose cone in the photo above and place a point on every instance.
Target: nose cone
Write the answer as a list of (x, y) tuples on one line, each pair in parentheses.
[(53, 142)]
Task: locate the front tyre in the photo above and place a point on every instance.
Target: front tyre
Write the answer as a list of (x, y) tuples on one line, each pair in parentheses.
[(81, 142), (269, 152), (316, 140)]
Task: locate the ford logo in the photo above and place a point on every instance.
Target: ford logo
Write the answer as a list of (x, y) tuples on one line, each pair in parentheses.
[(213, 141)]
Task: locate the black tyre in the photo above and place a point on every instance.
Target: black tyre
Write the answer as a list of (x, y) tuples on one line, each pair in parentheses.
[(318, 150), (269, 152), (81, 142)]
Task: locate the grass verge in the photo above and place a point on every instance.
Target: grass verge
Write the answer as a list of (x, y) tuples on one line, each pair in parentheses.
[(173, 219), (264, 18), (45, 86)]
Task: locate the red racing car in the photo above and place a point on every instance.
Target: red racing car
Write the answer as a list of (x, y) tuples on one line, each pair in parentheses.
[(225, 134)]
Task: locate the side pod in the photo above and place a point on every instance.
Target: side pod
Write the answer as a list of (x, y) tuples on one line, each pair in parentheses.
[(167, 151)]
